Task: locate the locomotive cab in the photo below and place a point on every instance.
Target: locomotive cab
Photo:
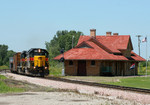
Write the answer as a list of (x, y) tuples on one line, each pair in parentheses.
[(37, 60), (23, 61)]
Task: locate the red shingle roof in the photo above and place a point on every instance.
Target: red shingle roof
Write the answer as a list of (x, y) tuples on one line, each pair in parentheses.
[(114, 43), (100, 48)]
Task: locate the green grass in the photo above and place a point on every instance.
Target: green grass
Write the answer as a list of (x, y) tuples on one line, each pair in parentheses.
[(4, 67), (138, 82), (2, 77), (55, 68), (4, 88), (142, 71), (55, 71)]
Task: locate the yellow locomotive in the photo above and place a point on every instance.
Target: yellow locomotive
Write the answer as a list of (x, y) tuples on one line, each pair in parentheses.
[(32, 62)]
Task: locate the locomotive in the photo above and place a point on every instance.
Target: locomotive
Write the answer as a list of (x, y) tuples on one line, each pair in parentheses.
[(33, 62)]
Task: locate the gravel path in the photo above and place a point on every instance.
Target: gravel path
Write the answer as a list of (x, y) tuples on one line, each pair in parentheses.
[(57, 98), (106, 92)]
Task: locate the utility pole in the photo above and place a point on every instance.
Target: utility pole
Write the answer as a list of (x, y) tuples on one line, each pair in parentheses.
[(145, 40), (146, 54), (139, 41)]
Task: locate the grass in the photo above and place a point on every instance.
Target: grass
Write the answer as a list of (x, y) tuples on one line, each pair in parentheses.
[(55, 70), (138, 82), (2, 77), (142, 71), (4, 88), (4, 67)]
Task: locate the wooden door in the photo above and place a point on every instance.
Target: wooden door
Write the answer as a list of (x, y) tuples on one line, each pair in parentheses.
[(81, 68)]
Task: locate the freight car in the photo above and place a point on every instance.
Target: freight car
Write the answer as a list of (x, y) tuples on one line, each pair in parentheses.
[(33, 62)]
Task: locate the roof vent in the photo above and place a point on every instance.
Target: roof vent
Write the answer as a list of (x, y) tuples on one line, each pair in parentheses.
[(108, 33)]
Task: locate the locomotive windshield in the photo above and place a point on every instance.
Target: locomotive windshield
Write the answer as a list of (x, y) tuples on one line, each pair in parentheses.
[(23, 54), (38, 52)]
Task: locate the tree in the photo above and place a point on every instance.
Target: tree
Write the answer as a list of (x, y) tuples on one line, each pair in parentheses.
[(62, 39), (3, 53), (10, 53)]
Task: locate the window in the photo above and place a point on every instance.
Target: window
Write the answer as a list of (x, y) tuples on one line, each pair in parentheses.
[(70, 62), (92, 62)]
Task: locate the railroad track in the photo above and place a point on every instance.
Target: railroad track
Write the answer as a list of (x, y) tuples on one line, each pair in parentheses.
[(4, 70), (139, 90)]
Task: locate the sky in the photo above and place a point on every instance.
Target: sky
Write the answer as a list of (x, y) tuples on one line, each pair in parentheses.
[(26, 24)]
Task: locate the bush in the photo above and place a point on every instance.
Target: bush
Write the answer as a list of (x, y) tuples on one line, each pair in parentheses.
[(55, 68), (143, 64)]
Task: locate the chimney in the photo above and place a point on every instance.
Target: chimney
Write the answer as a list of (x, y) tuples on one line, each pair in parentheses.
[(108, 33), (115, 34), (93, 33)]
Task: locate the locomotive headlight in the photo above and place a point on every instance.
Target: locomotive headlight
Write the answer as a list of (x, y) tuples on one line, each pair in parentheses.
[(39, 50), (34, 67), (45, 67)]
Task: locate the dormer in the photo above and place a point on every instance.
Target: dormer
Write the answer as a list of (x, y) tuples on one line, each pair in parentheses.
[(127, 52)]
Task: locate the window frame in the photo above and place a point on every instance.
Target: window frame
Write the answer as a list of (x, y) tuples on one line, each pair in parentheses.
[(93, 61), (70, 63)]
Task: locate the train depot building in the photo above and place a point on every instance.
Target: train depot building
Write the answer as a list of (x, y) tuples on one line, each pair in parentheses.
[(97, 55)]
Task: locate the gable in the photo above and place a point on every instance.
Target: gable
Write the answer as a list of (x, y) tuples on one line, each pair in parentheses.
[(111, 44), (127, 52), (82, 39), (130, 44), (83, 45), (100, 45)]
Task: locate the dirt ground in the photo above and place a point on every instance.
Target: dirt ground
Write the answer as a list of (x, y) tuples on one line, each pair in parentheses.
[(40, 95), (57, 98)]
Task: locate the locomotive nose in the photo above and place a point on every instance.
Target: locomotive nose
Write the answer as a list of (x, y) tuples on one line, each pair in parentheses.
[(39, 61)]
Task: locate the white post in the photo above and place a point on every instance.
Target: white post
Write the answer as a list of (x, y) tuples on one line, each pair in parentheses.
[(63, 68)]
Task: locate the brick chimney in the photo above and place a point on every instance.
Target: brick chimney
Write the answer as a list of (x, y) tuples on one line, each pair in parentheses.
[(108, 33), (93, 33), (115, 34)]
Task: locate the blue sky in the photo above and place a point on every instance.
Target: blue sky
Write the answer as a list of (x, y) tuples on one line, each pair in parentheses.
[(26, 24)]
